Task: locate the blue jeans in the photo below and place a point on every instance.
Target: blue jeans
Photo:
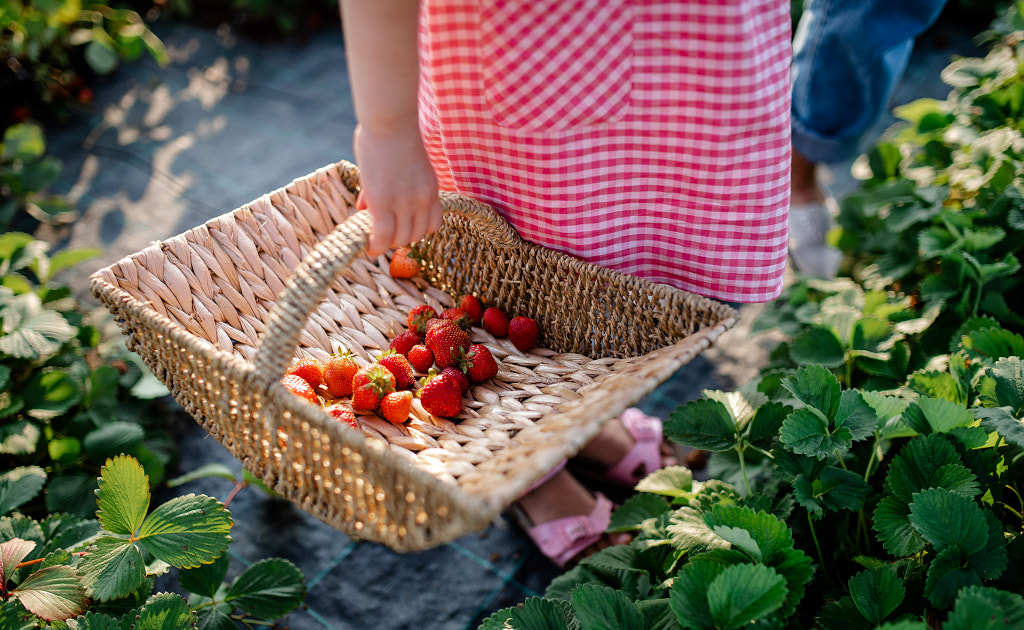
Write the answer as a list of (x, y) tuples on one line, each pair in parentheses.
[(848, 56)]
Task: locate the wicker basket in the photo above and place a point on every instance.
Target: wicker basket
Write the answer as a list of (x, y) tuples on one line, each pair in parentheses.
[(218, 313)]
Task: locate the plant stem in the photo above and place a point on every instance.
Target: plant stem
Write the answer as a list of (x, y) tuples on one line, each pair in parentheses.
[(238, 487), (842, 464), (743, 468), (29, 563), (814, 537)]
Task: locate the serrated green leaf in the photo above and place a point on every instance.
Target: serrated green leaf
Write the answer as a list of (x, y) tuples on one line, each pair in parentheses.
[(913, 468), (31, 332), (876, 593), (657, 614), (1000, 420), (1008, 373), (817, 346), (937, 385), (603, 608), (206, 578), (73, 493), (856, 415), (187, 531), (949, 572), (843, 613), (51, 393), (269, 589), (671, 481), (936, 415), (635, 510), (689, 532), (817, 388), (215, 619), (111, 440), (991, 343), (891, 520), (766, 422), (112, 568), (743, 593), (958, 479), (52, 593), (96, 621), (770, 534), (538, 613), (702, 424), (835, 489), (12, 552), (806, 432), (18, 437), (688, 596), (165, 611), (981, 608), (740, 539), (19, 486), (123, 495), (946, 519)]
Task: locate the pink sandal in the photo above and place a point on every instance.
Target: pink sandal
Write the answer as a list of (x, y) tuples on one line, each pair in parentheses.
[(643, 459)]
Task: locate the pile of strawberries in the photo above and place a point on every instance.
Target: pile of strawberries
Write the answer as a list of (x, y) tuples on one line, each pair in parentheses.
[(436, 345)]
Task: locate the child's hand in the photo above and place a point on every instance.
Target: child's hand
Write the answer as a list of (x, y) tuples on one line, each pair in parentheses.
[(399, 187)]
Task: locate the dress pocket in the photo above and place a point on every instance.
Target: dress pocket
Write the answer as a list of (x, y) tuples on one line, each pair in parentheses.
[(556, 64)]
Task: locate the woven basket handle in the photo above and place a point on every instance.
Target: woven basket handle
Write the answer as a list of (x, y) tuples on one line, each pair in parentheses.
[(307, 286)]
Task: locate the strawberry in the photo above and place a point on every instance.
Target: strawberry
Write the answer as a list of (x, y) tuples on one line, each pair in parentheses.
[(421, 358), (495, 321), (404, 341), (396, 406), (405, 263), (309, 369), (338, 372), (342, 413), (523, 332), (458, 316), (478, 363), (300, 387), (418, 317), (474, 308), (441, 395), (446, 341), (433, 321), (458, 375), (400, 368), (369, 385)]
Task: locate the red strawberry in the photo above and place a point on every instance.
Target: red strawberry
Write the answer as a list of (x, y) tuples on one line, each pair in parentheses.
[(404, 263), (458, 316), (421, 358), (396, 406), (474, 308), (338, 372), (433, 321), (495, 321), (523, 332), (309, 369), (400, 368), (343, 414), (418, 317), (441, 396), (458, 375), (446, 341), (404, 341), (478, 363), (300, 387), (369, 385)]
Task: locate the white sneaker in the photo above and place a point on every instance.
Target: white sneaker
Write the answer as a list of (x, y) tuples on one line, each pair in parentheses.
[(809, 223)]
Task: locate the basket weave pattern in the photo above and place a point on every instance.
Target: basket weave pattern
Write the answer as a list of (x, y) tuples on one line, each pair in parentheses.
[(219, 312)]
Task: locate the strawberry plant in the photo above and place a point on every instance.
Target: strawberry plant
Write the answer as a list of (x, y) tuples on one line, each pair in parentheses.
[(68, 399), (99, 573), (25, 173)]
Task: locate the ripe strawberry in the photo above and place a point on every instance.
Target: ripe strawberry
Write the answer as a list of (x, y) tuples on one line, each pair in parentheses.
[(441, 396), (405, 263), (396, 406), (309, 369), (458, 316), (338, 372), (369, 385), (473, 307), (418, 317), (433, 321), (300, 387), (400, 368), (446, 341), (478, 363), (523, 332), (342, 413), (404, 341), (458, 375), (495, 321), (421, 358)]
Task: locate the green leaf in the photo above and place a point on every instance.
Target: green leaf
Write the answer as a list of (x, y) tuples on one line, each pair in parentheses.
[(702, 424), (1008, 373), (740, 539), (1001, 421), (123, 496), (806, 432), (981, 608), (936, 415), (112, 568), (766, 422), (843, 613), (165, 611), (29, 331), (187, 531), (68, 258), (64, 449), (914, 468), (949, 572), (937, 385), (856, 415), (539, 614), (52, 593), (12, 552), (671, 481), (203, 472), (770, 534), (892, 523), (657, 614), (111, 440), (50, 394), (18, 437), (97, 621), (743, 593), (635, 510), (817, 346), (19, 486), (946, 519), (876, 593), (602, 608), (216, 619), (24, 142), (689, 532), (101, 56), (205, 579), (836, 489), (815, 387), (269, 589), (991, 343), (73, 493), (688, 596)]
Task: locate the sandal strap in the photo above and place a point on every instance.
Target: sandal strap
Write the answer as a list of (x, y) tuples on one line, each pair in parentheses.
[(564, 538), (647, 436)]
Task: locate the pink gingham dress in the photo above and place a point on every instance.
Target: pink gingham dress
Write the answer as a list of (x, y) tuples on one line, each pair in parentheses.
[(648, 136)]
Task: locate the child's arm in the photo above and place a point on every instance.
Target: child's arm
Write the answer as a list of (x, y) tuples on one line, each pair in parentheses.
[(398, 183)]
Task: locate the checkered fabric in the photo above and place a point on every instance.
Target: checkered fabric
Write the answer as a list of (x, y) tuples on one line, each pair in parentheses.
[(648, 136)]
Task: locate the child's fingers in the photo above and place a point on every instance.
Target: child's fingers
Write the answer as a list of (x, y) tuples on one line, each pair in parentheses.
[(383, 231)]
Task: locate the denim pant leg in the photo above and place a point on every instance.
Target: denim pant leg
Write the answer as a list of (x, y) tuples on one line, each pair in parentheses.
[(848, 56)]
